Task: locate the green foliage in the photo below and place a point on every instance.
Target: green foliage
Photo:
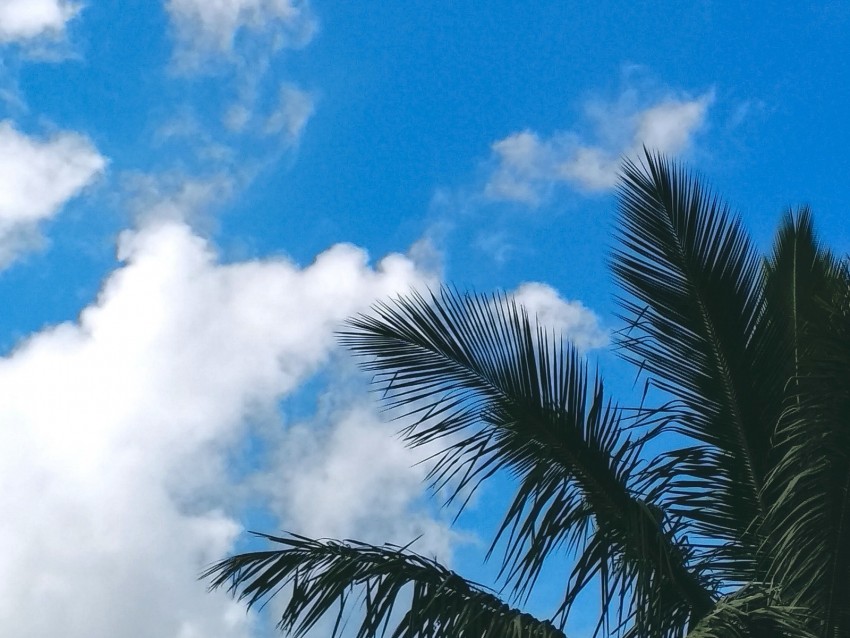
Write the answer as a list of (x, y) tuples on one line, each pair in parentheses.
[(742, 531), (319, 576)]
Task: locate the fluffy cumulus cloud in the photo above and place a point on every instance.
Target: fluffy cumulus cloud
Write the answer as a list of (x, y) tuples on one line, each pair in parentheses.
[(355, 476), (527, 166), (204, 28), (118, 430), (25, 20), (37, 177), (561, 317)]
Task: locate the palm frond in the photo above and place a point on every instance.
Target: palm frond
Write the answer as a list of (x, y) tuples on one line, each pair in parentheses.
[(694, 303), (325, 577), (753, 612), (809, 521), (799, 278), (497, 394)]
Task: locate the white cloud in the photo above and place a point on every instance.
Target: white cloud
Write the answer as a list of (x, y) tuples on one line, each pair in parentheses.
[(22, 20), (527, 166), (283, 123), (569, 319), (524, 160), (37, 177), (204, 27), (115, 431), (237, 117), (355, 479), (668, 126), (498, 245), (172, 196), (235, 46), (294, 109)]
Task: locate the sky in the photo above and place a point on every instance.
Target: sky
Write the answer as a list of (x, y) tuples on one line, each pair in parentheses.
[(194, 195)]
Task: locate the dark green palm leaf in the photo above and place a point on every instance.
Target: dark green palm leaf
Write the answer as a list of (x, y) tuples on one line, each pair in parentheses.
[(325, 577), (695, 306), (497, 394), (753, 612), (809, 523), (798, 277)]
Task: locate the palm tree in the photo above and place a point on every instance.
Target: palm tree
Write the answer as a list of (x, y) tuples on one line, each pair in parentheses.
[(743, 529)]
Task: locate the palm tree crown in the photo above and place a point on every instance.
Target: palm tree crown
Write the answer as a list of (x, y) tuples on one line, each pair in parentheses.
[(744, 530)]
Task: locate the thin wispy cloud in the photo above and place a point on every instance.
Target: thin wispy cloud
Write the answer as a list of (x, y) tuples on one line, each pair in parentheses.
[(294, 109), (230, 48), (205, 31)]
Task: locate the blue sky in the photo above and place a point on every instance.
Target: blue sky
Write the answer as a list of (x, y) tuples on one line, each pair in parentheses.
[(194, 195)]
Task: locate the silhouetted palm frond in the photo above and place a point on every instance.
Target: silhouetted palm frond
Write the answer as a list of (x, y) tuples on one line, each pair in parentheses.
[(695, 304), (324, 577), (809, 523), (481, 380)]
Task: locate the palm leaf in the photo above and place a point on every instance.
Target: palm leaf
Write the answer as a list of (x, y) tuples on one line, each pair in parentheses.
[(497, 394), (798, 276), (809, 522), (326, 576), (753, 612), (694, 303)]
